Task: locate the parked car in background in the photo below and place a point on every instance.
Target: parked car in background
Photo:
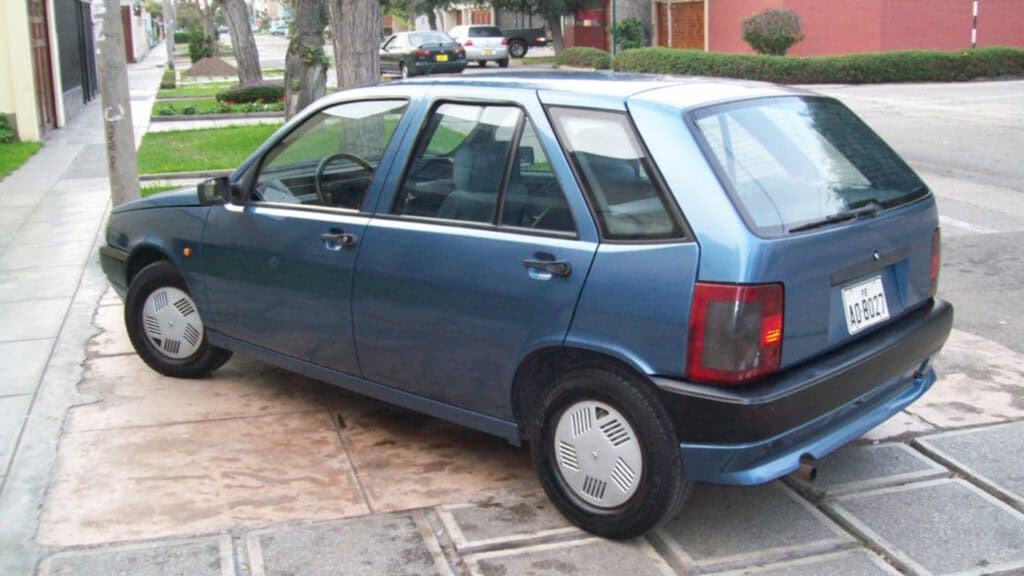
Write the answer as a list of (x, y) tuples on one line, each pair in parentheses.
[(483, 44), (520, 41), (279, 30), (222, 29), (655, 282), (414, 53)]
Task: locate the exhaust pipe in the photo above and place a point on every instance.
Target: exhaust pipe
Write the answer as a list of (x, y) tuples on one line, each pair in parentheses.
[(808, 470)]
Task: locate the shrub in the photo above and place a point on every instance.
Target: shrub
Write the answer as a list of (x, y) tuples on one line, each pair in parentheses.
[(629, 33), (168, 80), (6, 130), (256, 92), (188, 110), (583, 57), (902, 66), (773, 31), (181, 37), (166, 110), (199, 46)]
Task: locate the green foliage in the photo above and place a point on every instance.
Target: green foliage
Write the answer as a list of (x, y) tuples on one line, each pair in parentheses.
[(156, 189), (259, 92), (6, 130), (168, 80), (155, 8), (773, 31), (584, 57), (188, 110), (15, 154), (165, 110), (869, 68), (181, 37), (205, 106), (205, 149), (629, 33), (199, 46)]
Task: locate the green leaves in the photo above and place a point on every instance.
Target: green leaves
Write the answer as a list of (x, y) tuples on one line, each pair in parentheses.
[(773, 31)]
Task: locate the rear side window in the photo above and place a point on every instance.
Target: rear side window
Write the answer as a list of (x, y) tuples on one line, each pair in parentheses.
[(794, 161), (485, 32), (616, 174)]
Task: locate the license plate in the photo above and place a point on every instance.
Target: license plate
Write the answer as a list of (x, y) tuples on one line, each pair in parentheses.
[(488, 52), (442, 57), (864, 304)]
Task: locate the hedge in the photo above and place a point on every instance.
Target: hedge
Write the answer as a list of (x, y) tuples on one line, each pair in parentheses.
[(583, 57), (264, 92), (901, 66), (181, 37), (168, 80)]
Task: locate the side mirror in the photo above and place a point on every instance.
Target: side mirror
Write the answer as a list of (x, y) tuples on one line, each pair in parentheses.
[(216, 191), (526, 157)]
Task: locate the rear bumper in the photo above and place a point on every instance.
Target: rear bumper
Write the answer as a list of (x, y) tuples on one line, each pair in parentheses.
[(478, 53), (752, 436), (451, 67)]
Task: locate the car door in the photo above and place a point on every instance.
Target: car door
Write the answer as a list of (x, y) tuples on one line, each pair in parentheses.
[(388, 56), (278, 269), (464, 273)]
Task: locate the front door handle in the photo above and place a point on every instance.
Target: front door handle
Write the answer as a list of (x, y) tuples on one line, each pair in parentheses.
[(336, 240), (553, 267)]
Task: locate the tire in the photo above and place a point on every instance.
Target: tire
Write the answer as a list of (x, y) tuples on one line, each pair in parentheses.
[(403, 71), (517, 48), (161, 288), (481, 63), (611, 415), (503, 62)]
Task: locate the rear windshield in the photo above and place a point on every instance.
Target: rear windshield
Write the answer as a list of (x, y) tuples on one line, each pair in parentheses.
[(422, 38), (485, 32), (794, 161)]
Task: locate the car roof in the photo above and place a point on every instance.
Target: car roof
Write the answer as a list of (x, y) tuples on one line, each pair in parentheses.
[(595, 88)]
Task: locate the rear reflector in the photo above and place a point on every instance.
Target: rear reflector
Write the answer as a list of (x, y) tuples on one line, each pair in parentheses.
[(936, 257), (467, 43), (504, 41), (735, 332)]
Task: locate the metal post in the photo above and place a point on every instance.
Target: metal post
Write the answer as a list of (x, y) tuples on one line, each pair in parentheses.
[(974, 26), (614, 47), (169, 32), (668, 13), (117, 111)]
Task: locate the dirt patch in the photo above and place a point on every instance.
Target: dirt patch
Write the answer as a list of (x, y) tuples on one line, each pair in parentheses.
[(212, 66)]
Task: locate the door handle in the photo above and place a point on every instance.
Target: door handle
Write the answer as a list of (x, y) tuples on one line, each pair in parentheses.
[(553, 267), (338, 240)]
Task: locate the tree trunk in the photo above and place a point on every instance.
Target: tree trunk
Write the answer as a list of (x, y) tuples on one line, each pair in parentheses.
[(208, 15), (305, 67), (169, 32), (432, 19), (554, 22), (242, 42), (356, 25)]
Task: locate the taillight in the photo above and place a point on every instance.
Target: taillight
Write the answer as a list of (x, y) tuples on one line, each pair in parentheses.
[(459, 51), (735, 332), (936, 257), (504, 41), (467, 43), (421, 53)]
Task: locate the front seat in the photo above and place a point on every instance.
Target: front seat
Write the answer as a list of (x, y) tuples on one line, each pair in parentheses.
[(477, 171)]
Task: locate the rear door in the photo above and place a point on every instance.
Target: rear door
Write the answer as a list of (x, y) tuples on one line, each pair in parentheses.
[(466, 269)]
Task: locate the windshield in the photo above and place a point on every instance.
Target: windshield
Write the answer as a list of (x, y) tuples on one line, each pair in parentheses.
[(794, 160), (421, 38)]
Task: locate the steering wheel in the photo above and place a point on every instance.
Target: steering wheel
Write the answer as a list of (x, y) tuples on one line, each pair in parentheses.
[(327, 160)]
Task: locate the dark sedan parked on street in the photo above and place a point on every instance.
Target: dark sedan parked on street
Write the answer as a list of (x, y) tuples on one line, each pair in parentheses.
[(654, 282), (414, 53)]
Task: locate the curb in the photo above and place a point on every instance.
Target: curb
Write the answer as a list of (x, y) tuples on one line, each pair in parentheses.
[(194, 117)]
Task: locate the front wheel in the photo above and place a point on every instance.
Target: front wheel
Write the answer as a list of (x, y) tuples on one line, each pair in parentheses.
[(164, 325), (606, 454), (517, 48)]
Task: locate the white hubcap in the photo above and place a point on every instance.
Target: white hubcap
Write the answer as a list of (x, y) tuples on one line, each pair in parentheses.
[(172, 323), (598, 454)]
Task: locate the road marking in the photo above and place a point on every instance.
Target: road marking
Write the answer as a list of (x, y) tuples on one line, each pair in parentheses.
[(967, 226)]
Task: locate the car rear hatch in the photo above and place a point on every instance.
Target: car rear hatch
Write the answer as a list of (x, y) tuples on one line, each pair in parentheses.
[(489, 38), (842, 223), (432, 47)]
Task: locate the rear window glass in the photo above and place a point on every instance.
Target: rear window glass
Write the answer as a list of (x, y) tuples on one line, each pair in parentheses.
[(421, 38), (485, 32), (795, 161)]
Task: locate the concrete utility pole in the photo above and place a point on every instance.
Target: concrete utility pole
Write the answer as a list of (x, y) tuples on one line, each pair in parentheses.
[(122, 164), (169, 31)]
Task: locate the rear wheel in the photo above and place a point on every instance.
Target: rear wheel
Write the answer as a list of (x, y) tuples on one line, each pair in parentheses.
[(164, 325), (481, 63), (606, 454), (403, 70), (503, 62), (517, 48)]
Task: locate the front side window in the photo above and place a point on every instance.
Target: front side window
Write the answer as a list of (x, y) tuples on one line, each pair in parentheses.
[(331, 158), (794, 161), (616, 174)]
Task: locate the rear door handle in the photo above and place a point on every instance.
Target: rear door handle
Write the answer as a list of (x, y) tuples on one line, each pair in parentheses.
[(553, 267), (337, 240)]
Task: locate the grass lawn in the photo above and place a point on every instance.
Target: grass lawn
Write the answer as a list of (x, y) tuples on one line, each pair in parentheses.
[(156, 189), (204, 89), (538, 59), (203, 149), (15, 154), (200, 106)]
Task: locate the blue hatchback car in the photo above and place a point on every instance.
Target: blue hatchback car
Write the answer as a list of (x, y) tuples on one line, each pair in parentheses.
[(653, 282)]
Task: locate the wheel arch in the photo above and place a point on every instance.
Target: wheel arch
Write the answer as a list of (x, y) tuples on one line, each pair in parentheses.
[(143, 255)]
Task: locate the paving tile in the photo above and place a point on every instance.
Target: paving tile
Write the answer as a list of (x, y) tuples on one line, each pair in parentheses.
[(33, 319), (475, 527), (39, 283), (91, 162), (938, 527), (45, 255), (391, 545), (110, 298), (113, 338), (201, 557), (131, 394), (990, 455), (901, 425), (22, 365), (859, 562), (157, 481), (13, 411), (408, 460), (44, 232), (589, 556), (863, 467), (727, 527)]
